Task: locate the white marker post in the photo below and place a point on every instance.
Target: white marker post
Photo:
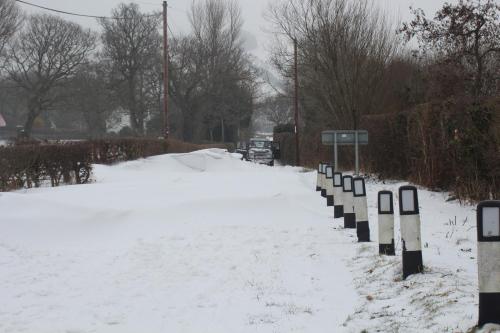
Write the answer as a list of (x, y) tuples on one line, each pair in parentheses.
[(410, 231), (323, 180), (488, 259), (318, 179), (338, 193), (361, 210), (349, 215), (386, 223), (329, 186)]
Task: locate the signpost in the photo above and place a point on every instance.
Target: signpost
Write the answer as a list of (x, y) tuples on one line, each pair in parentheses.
[(488, 259), (345, 138)]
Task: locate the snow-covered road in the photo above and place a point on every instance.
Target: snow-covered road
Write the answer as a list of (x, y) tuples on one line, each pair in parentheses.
[(204, 242)]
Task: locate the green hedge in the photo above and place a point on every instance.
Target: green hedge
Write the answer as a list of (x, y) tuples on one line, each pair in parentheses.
[(33, 165)]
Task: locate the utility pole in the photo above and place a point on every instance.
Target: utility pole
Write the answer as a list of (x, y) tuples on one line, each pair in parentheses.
[(296, 103), (166, 125)]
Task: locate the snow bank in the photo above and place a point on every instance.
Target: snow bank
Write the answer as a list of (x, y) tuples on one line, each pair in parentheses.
[(204, 242)]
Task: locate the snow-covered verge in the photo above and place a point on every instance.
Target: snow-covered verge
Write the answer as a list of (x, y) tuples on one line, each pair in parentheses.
[(204, 242)]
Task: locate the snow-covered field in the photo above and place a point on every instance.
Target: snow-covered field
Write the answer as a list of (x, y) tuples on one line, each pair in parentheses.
[(204, 242)]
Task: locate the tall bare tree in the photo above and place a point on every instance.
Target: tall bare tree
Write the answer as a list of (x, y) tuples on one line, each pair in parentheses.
[(10, 18), (44, 55), (344, 50), (133, 44), (217, 32)]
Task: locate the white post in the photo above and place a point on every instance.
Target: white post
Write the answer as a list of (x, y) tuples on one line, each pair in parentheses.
[(386, 223), (349, 215), (488, 259), (323, 180), (361, 210), (318, 179), (338, 192), (410, 231), (329, 186)]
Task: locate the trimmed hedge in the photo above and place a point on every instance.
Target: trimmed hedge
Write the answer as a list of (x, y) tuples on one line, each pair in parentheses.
[(33, 165)]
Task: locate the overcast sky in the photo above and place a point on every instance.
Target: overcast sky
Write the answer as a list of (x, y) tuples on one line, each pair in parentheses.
[(252, 10)]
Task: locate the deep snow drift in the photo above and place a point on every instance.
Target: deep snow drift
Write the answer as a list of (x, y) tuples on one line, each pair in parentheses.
[(204, 242)]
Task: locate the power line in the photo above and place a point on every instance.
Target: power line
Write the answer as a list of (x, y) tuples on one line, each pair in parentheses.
[(76, 14)]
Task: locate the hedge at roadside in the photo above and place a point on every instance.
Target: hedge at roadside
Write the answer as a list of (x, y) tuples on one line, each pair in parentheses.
[(34, 165), (452, 146)]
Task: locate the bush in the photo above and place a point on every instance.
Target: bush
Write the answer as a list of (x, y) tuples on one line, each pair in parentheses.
[(32, 164), (452, 146)]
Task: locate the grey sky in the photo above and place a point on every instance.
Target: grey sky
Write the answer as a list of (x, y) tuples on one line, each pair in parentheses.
[(253, 10)]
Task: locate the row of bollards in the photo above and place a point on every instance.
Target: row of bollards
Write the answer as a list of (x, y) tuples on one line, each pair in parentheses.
[(348, 196)]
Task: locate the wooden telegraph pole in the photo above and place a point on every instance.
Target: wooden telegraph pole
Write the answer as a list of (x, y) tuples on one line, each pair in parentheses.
[(296, 103), (166, 125)]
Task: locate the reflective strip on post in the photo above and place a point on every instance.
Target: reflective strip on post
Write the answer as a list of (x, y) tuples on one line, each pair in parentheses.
[(386, 223), (410, 231), (338, 193), (349, 214), (361, 209), (488, 248), (329, 186)]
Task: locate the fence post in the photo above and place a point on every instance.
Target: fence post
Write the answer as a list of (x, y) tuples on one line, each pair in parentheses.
[(329, 186), (361, 210), (386, 223), (349, 215), (338, 192), (410, 231), (488, 248)]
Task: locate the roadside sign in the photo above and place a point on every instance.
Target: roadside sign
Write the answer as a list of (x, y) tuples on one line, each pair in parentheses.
[(344, 138)]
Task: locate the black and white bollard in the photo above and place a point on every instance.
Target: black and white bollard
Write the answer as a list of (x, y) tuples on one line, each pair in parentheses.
[(318, 179), (361, 210), (386, 223), (323, 180), (410, 231), (349, 215), (488, 259), (338, 194), (329, 186)]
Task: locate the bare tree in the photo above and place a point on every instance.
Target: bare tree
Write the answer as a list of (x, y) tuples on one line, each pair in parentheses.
[(45, 54), (344, 50), (277, 109), (465, 35), (10, 18), (216, 28), (92, 97), (132, 43)]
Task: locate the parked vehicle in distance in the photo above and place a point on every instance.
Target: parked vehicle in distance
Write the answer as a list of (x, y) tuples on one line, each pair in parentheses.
[(261, 151)]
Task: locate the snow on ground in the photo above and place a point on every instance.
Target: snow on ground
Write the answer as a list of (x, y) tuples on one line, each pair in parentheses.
[(204, 242)]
